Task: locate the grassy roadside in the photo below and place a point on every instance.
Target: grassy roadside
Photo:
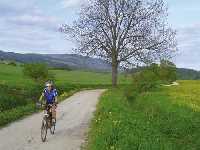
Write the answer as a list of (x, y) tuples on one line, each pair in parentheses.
[(23, 111), (159, 120), (16, 113), (18, 93), (20, 112)]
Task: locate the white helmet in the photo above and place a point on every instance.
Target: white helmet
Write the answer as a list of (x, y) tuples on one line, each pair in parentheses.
[(49, 83)]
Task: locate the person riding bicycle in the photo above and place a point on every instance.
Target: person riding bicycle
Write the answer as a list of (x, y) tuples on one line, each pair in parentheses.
[(50, 95)]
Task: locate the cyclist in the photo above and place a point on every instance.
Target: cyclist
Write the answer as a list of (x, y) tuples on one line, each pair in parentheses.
[(50, 95)]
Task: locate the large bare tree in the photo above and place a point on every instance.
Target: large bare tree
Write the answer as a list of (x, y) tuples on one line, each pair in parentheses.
[(123, 32)]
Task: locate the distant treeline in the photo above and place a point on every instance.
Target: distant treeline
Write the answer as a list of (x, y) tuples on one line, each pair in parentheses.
[(187, 74), (182, 73)]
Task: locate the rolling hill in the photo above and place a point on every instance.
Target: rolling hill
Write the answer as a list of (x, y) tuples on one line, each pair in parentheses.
[(72, 61)]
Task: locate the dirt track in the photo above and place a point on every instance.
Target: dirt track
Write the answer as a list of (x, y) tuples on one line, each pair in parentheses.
[(73, 119)]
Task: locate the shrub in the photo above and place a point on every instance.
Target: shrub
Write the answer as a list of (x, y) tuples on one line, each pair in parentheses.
[(145, 80), (12, 63), (130, 93), (167, 71), (38, 72), (150, 78)]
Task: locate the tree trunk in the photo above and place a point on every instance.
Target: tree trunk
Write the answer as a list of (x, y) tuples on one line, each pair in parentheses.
[(114, 73)]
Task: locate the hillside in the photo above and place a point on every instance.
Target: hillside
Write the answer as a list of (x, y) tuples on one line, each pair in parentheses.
[(72, 61), (188, 74), (182, 73)]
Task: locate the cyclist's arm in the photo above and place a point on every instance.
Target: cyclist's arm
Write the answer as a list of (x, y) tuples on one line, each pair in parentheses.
[(56, 99), (56, 96), (41, 98)]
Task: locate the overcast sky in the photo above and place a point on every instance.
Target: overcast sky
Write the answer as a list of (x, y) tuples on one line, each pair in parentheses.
[(32, 26)]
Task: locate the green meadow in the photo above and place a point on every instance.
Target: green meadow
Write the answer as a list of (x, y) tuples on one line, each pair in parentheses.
[(13, 75), (167, 118), (19, 93)]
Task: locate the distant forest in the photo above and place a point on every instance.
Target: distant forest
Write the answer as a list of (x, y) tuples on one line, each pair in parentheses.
[(182, 73), (188, 74)]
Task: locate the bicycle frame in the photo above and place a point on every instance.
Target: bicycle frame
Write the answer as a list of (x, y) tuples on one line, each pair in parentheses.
[(47, 123)]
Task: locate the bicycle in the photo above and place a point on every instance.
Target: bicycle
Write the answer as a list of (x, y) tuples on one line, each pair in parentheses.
[(47, 123)]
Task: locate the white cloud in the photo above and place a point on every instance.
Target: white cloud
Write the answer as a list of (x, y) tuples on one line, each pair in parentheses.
[(189, 47), (70, 3), (39, 21), (26, 27), (73, 3)]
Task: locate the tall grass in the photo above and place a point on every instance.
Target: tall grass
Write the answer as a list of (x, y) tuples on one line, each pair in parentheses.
[(16, 113), (156, 120)]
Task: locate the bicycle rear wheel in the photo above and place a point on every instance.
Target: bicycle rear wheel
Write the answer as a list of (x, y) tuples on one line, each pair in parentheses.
[(44, 131)]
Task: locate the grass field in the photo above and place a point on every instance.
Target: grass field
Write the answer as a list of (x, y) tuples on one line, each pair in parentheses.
[(85, 77), (12, 75), (18, 92), (165, 119)]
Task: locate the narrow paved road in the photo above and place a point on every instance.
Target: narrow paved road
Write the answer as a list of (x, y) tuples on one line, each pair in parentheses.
[(74, 116)]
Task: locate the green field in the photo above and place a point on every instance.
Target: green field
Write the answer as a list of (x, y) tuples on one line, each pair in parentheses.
[(12, 75), (165, 119), (18, 92)]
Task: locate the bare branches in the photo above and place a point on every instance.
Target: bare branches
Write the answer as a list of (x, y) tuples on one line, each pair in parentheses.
[(125, 30)]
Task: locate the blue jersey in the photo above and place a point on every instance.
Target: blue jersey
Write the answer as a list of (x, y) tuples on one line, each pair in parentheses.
[(50, 95)]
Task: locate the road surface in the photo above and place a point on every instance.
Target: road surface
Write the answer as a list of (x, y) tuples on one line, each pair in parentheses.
[(73, 119)]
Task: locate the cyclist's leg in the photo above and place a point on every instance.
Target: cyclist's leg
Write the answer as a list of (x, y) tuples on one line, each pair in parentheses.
[(54, 112)]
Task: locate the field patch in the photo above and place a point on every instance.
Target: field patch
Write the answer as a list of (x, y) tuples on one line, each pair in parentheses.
[(18, 93), (161, 119)]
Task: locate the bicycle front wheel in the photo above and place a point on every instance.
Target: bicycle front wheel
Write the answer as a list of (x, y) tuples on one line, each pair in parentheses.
[(53, 127), (44, 131)]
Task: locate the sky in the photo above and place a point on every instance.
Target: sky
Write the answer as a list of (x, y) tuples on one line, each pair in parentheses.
[(31, 26)]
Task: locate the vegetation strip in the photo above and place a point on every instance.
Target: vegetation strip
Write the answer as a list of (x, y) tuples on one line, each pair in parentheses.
[(18, 93), (160, 119), (22, 111)]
